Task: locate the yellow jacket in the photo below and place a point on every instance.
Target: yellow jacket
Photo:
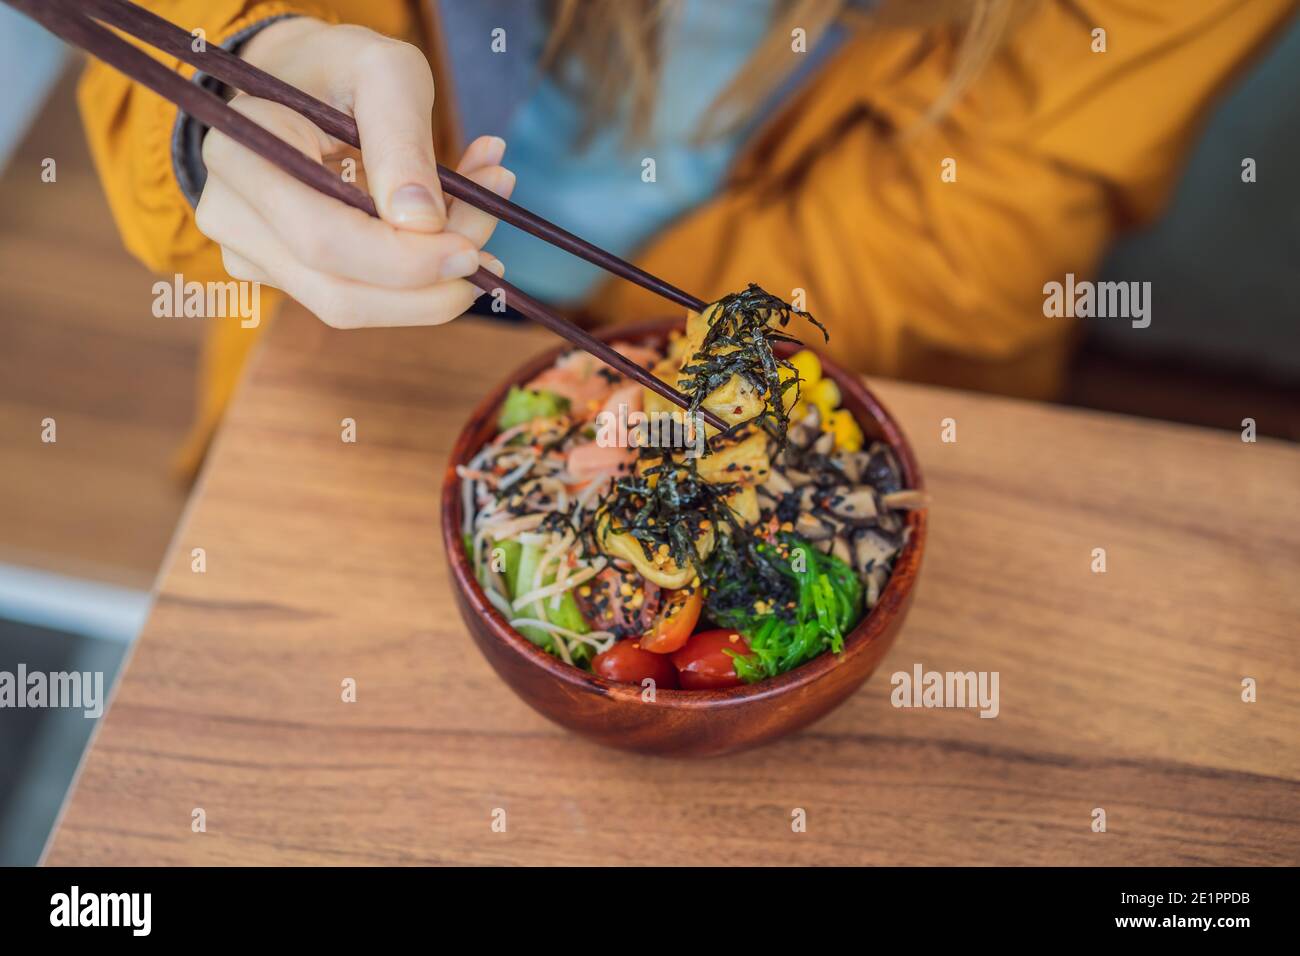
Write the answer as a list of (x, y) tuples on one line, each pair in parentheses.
[(1055, 148)]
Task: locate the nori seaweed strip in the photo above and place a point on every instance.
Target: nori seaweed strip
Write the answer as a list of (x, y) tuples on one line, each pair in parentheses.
[(743, 321), (666, 505), (668, 501)]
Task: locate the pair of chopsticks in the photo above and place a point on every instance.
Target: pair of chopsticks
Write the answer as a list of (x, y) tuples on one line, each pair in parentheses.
[(75, 23)]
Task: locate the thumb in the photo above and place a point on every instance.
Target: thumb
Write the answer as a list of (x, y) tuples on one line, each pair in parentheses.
[(393, 107)]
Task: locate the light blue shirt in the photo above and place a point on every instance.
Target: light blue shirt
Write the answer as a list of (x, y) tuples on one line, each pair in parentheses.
[(608, 194)]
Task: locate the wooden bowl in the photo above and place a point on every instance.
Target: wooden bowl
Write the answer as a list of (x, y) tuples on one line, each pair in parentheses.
[(683, 722)]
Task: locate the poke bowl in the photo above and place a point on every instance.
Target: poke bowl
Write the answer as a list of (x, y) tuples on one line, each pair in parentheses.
[(574, 678)]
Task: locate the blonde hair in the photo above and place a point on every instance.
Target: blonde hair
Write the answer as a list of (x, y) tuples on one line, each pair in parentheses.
[(608, 52)]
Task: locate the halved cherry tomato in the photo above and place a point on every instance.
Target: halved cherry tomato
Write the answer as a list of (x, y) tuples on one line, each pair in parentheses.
[(677, 618), (703, 663), (626, 662)]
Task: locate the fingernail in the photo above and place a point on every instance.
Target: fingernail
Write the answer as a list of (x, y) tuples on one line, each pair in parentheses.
[(496, 267), (415, 203), (504, 183), (459, 265), (496, 150)]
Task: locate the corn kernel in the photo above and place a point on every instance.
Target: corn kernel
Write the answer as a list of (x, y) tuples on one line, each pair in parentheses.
[(848, 436), (808, 365), (826, 396)]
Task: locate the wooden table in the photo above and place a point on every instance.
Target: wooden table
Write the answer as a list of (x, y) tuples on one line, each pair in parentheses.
[(1119, 691), (79, 343)]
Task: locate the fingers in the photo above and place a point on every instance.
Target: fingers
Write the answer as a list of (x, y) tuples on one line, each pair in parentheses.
[(404, 268), (322, 233), (250, 250), (481, 164), (484, 151), (392, 102), (237, 267), (350, 305), (254, 252)]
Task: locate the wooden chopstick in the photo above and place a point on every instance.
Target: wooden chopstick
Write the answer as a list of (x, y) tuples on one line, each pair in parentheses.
[(234, 72), (68, 22)]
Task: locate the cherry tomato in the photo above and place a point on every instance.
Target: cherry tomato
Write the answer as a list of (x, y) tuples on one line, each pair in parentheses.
[(703, 663), (627, 662), (677, 618)]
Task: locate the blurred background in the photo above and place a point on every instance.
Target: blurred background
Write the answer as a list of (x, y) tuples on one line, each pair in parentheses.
[(84, 522)]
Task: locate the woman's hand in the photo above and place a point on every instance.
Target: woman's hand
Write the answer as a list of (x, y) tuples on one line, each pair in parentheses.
[(348, 268)]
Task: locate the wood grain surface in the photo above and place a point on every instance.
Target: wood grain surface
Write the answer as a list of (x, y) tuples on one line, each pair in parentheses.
[(1119, 691), (79, 343)]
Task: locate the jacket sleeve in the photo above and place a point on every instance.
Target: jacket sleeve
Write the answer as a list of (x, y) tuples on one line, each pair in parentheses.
[(131, 133), (1055, 148)]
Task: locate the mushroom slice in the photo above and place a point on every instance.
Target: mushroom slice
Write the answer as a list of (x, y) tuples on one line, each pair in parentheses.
[(890, 522), (840, 549), (882, 470), (871, 550), (850, 464), (875, 583), (798, 478), (777, 483), (857, 506), (808, 527), (909, 499)]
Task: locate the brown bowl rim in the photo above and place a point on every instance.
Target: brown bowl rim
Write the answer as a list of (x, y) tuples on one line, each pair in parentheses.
[(893, 600)]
